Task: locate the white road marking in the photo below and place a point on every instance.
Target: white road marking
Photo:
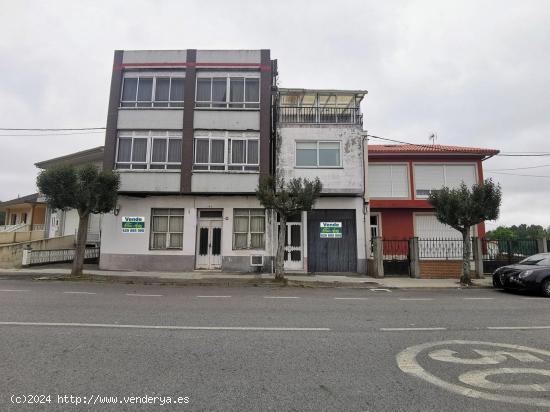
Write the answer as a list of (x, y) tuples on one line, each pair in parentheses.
[(537, 297), (162, 327), (14, 290), (81, 293), (517, 327), (213, 296), (478, 298), (415, 299), (380, 290), (406, 329), (350, 298), (139, 294), (281, 297)]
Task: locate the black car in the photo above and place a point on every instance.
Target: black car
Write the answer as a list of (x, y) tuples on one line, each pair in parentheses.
[(532, 273)]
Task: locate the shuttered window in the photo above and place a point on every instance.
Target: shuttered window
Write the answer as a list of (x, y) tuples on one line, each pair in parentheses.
[(388, 181), (432, 177)]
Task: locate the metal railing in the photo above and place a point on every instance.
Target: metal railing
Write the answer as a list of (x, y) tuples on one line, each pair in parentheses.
[(322, 115), (441, 249), (37, 257)]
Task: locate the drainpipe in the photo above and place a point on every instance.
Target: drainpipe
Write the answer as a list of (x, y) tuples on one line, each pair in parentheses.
[(366, 211)]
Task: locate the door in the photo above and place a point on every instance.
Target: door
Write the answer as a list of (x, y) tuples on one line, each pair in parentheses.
[(209, 245), (293, 246)]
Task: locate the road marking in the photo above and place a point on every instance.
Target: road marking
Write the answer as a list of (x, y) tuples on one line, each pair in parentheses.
[(163, 327), (281, 297), (14, 290), (517, 327), (139, 294), (415, 299), (351, 298), (380, 290), (213, 296), (478, 298), (81, 293), (405, 329), (536, 297)]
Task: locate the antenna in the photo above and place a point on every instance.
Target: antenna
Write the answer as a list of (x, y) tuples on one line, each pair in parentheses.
[(433, 138)]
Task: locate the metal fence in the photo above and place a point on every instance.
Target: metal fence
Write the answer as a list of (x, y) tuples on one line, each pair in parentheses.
[(502, 252), (308, 114), (440, 249), (396, 257), (38, 257)]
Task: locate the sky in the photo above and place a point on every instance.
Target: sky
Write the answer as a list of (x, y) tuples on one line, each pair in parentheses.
[(476, 73)]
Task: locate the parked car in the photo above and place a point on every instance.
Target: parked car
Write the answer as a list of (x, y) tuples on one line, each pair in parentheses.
[(532, 273)]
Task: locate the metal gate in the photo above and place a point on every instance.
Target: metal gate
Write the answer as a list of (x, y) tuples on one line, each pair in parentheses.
[(396, 257), (335, 253)]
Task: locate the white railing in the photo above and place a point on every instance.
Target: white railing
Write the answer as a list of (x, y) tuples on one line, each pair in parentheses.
[(21, 227), (38, 227), (36, 257)]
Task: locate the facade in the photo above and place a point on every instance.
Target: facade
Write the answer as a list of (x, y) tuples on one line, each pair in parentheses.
[(24, 214), (319, 134), (190, 132), (400, 179)]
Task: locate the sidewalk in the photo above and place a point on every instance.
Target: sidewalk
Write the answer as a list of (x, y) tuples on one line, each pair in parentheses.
[(236, 279)]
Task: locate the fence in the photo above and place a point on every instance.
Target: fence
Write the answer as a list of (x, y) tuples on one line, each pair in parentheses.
[(310, 114), (40, 257), (497, 253), (396, 257)]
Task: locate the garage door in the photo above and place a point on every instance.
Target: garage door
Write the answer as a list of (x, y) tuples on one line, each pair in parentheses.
[(331, 240)]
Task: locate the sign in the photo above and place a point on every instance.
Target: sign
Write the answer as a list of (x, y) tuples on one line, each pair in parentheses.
[(133, 224), (331, 230)]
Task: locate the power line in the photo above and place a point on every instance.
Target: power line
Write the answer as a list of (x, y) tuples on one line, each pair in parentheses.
[(8, 129), (51, 134), (515, 174), (516, 168)]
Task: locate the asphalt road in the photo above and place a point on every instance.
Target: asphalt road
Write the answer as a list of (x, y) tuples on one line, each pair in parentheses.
[(280, 349)]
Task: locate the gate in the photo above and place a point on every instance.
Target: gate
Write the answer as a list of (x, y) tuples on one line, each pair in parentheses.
[(497, 253), (396, 257)]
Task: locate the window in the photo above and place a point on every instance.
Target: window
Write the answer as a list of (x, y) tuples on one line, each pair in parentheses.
[(318, 154), (152, 90), (388, 181), (149, 150), (232, 151), (166, 229), (430, 177), (374, 226), (228, 92), (248, 229)]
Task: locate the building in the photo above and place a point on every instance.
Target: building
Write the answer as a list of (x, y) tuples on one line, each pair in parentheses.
[(190, 132), (25, 219), (319, 134), (400, 179)]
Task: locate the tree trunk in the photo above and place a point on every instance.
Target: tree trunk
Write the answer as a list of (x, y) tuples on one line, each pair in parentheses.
[(467, 247), (78, 261), (280, 258)]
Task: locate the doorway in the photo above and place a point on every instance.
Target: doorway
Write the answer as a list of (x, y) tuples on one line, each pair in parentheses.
[(209, 240)]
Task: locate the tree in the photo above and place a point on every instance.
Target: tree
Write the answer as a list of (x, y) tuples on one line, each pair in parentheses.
[(465, 207), (287, 199), (518, 232), (85, 189)]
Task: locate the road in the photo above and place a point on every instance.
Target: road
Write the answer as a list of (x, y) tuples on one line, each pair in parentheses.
[(280, 349)]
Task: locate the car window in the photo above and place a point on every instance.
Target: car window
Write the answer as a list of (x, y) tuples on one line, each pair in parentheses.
[(544, 262), (535, 260)]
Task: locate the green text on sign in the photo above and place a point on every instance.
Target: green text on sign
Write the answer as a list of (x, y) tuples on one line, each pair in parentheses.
[(133, 224), (331, 230)]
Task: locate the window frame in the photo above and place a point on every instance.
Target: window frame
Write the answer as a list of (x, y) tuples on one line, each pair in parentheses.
[(227, 104), (249, 231), (168, 232), (150, 136), (227, 165), (444, 165), (339, 166), (391, 164), (135, 104)]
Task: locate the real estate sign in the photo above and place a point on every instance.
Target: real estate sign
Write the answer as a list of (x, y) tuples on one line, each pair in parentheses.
[(332, 230), (133, 224)]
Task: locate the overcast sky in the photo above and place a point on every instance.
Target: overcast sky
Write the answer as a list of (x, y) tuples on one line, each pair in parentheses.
[(474, 72)]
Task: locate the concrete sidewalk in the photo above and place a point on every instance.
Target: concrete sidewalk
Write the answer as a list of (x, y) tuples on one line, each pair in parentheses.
[(236, 279)]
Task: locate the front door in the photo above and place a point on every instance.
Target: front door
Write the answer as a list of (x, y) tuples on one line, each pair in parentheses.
[(293, 246), (209, 244)]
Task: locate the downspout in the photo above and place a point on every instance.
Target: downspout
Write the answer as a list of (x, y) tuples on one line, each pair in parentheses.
[(366, 212)]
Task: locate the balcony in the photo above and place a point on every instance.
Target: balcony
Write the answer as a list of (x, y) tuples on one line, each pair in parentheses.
[(320, 115)]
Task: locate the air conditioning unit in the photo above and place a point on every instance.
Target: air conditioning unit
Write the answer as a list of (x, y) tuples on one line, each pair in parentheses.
[(256, 260)]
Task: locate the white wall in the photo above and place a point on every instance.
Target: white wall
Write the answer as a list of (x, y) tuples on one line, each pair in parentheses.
[(149, 181)]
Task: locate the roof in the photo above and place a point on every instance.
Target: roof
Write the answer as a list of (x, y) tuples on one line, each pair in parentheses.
[(284, 90), (85, 156), (34, 198), (407, 149)]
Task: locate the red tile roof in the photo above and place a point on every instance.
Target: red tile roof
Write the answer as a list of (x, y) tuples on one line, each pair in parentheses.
[(428, 149)]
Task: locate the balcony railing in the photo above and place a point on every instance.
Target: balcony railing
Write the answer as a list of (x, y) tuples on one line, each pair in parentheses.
[(321, 115)]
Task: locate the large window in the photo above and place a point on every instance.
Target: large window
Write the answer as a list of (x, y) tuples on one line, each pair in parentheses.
[(166, 229), (248, 229), (428, 177), (228, 92), (318, 154), (152, 90), (149, 150), (388, 181), (232, 151)]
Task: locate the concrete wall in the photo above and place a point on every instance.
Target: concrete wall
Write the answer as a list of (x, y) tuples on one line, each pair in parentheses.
[(149, 181), (226, 119), (14, 237), (154, 56), (150, 119), (11, 255), (124, 251), (346, 179), (224, 182), (228, 56)]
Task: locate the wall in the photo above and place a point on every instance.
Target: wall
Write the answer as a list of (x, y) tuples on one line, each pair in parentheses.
[(224, 182), (124, 251), (149, 181), (159, 119), (14, 237), (209, 119), (345, 180), (11, 255)]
